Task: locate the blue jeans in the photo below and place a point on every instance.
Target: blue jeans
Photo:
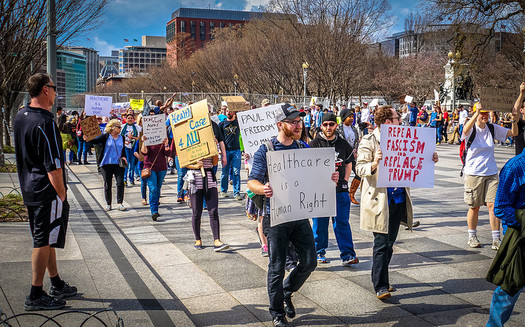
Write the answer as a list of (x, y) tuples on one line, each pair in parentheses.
[(132, 163), (82, 149), (234, 160), (154, 185), (501, 307), (439, 131), (341, 225), (181, 172)]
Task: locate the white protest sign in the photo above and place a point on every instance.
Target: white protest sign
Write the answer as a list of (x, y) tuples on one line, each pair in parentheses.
[(96, 105), (374, 103), (408, 99), (407, 156), (301, 183), (154, 128), (257, 126)]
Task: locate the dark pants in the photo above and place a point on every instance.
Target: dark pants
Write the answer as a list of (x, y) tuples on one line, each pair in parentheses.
[(107, 173), (299, 233), (383, 246), (212, 203)]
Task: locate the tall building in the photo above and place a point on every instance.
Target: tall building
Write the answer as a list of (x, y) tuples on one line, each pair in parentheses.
[(108, 65), (190, 28), (138, 59), (92, 70), (71, 77)]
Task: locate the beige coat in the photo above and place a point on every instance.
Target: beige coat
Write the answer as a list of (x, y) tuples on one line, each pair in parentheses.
[(374, 200)]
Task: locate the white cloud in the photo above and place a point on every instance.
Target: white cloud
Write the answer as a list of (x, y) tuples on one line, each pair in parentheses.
[(218, 5), (103, 47), (405, 11), (254, 4)]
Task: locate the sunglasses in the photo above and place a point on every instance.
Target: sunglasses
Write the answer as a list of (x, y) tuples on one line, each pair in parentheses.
[(54, 87), (331, 124)]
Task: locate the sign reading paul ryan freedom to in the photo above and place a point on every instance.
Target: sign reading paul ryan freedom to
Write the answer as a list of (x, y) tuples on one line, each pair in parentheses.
[(407, 156), (193, 133), (258, 125), (154, 128), (96, 105), (297, 192)]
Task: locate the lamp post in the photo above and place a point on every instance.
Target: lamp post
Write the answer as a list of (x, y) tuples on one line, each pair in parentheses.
[(164, 94), (305, 76), (192, 90), (235, 78), (142, 91)]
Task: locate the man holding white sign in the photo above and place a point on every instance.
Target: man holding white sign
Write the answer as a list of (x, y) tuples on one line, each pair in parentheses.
[(298, 232), (382, 209)]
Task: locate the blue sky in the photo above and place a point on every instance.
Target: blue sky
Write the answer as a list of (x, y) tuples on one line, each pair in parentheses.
[(130, 19)]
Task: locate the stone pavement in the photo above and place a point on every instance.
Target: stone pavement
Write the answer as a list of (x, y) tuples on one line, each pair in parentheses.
[(149, 273)]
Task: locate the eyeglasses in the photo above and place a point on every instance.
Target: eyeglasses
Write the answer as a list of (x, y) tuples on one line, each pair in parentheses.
[(293, 122), (54, 87), (331, 124)]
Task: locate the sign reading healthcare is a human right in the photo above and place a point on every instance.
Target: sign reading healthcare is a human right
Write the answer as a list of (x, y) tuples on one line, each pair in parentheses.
[(96, 105), (407, 156)]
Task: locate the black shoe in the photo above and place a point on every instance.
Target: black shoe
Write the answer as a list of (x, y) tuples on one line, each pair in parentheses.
[(289, 309), (86, 163), (45, 302), (155, 216), (280, 322), (79, 162), (65, 292)]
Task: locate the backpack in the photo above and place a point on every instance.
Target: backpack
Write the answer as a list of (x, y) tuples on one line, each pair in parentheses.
[(463, 147)]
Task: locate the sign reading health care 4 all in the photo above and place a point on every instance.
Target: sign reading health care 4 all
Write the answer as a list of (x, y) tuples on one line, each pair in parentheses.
[(193, 133)]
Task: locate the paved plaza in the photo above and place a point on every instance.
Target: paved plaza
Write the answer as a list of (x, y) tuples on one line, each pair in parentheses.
[(150, 275)]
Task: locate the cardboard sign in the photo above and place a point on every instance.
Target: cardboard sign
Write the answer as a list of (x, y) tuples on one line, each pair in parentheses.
[(193, 133), (298, 193), (154, 128), (236, 103), (96, 105), (257, 126), (407, 156), (498, 99), (408, 99), (136, 104), (90, 127)]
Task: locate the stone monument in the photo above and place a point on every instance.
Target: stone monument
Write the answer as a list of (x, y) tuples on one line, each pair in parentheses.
[(457, 88)]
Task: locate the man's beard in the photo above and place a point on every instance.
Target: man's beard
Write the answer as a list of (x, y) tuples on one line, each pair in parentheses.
[(328, 133), (291, 134), (230, 115)]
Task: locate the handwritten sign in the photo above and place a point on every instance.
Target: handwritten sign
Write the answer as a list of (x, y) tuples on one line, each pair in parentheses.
[(297, 192), (120, 107), (497, 99), (193, 133), (408, 99), (154, 128), (313, 101), (136, 104), (98, 105), (407, 156), (258, 125), (236, 103), (90, 127)]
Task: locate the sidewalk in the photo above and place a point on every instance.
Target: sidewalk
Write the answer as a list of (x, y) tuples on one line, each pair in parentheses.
[(150, 275)]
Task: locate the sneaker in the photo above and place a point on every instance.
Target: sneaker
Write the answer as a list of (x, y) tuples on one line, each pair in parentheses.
[(231, 182), (350, 261), (414, 225), (121, 207), (180, 200), (198, 245), (144, 202), (125, 183), (383, 294), (473, 242), (238, 197), (137, 179), (45, 302), (321, 258), (155, 216), (219, 246), (107, 207), (86, 163), (223, 195), (65, 292), (289, 308), (264, 250), (186, 197), (391, 288), (495, 244), (280, 322), (132, 182)]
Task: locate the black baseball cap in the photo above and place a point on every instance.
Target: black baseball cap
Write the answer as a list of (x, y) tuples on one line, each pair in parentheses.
[(290, 112)]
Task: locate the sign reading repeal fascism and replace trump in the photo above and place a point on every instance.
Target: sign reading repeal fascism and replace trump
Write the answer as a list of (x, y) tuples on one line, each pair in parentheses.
[(407, 156), (193, 133), (96, 105), (154, 128), (90, 127), (297, 192), (258, 125)]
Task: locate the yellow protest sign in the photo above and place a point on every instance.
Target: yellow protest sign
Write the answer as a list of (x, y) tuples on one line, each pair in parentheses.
[(193, 133), (136, 104), (497, 99), (236, 103)]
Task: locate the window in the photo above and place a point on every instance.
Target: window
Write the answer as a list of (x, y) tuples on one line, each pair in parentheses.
[(192, 29), (202, 30), (212, 27), (221, 25), (183, 26)]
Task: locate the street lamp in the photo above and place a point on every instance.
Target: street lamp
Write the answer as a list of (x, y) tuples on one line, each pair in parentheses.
[(305, 75), (164, 94), (235, 78), (142, 91), (192, 90)]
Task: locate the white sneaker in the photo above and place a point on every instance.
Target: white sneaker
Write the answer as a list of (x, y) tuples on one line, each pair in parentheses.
[(107, 207), (473, 242), (121, 207), (495, 244)]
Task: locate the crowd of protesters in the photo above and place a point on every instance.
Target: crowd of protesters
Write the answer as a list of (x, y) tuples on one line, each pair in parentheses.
[(297, 246)]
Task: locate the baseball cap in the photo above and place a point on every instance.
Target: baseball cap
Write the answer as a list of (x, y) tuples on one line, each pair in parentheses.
[(290, 112), (330, 116), (265, 102)]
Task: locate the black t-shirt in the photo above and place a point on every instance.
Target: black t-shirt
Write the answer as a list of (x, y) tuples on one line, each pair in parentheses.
[(520, 138), (217, 132), (344, 152), (231, 133), (38, 148)]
